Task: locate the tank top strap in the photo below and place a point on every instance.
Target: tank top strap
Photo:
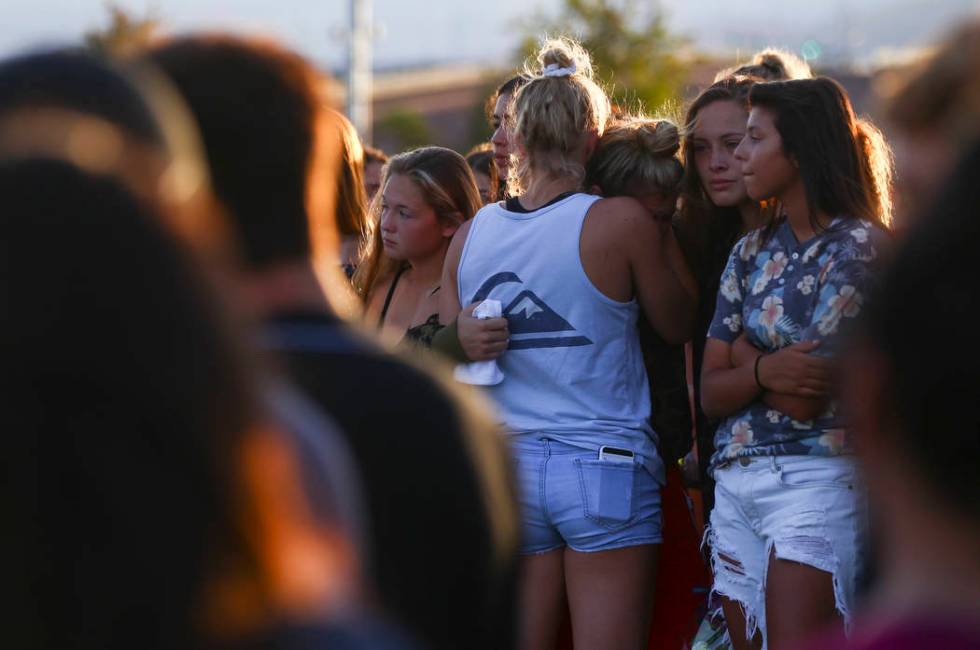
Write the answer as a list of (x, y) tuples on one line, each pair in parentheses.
[(390, 295)]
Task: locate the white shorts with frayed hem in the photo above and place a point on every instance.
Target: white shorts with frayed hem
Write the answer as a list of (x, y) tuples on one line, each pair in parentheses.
[(806, 509)]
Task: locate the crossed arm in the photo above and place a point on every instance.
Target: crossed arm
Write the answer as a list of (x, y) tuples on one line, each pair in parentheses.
[(796, 383)]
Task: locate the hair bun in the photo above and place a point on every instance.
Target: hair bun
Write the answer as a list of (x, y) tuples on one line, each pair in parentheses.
[(660, 137), (773, 62), (563, 52)]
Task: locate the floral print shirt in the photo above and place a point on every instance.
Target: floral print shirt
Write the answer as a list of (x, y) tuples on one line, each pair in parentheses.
[(781, 292)]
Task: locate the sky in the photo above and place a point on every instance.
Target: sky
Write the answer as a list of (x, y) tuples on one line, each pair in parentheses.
[(416, 31)]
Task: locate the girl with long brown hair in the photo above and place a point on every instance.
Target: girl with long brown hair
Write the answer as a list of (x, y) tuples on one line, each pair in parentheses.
[(787, 535)]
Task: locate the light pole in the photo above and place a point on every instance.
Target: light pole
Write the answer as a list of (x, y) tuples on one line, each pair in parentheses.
[(359, 67)]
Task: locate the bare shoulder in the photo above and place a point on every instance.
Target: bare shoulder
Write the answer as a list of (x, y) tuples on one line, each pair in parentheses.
[(621, 218)]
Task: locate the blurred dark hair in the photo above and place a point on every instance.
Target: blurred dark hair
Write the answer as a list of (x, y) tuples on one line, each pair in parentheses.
[(844, 162), (124, 400), (480, 159), (374, 155), (257, 107), (508, 87), (928, 295), (74, 79)]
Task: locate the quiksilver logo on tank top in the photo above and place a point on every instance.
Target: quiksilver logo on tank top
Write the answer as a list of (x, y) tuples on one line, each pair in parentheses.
[(532, 323)]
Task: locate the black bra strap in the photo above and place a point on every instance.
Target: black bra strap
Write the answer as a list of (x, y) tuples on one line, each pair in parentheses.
[(391, 293)]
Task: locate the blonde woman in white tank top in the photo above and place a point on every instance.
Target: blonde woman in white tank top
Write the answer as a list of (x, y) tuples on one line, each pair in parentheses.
[(574, 272)]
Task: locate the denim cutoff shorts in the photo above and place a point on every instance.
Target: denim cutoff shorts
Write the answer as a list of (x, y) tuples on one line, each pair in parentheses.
[(571, 498), (806, 509)]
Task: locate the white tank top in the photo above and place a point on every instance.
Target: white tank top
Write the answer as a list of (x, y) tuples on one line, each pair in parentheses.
[(573, 370)]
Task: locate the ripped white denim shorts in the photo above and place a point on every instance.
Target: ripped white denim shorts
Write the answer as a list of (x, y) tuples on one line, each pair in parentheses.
[(806, 509)]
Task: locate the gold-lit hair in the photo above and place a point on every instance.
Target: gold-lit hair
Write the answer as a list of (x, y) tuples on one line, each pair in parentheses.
[(553, 115), (351, 199), (637, 151), (770, 64)]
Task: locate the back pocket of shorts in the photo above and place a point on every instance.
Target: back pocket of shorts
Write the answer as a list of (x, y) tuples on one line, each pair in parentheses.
[(607, 491)]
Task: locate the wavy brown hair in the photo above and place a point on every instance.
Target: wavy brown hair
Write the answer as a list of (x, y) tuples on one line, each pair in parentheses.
[(449, 187), (844, 161)]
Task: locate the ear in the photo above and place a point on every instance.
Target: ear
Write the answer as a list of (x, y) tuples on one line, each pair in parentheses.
[(595, 190)]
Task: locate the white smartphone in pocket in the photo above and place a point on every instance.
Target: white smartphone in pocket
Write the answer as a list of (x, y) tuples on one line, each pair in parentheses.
[(615, 454)]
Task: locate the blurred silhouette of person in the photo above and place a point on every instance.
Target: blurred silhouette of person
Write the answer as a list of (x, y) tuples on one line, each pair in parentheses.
[(128, 121), (913, 404), (933, 119), (439, 508), (374, 162), (480, 159), (352, 202), (151, 498)]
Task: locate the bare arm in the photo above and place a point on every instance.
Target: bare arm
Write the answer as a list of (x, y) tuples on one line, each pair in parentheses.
[(481, 340), (725, 388), (449, 306), (796, 381)]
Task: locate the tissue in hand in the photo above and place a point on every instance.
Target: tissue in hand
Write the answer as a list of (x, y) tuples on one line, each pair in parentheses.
[(482, 373)]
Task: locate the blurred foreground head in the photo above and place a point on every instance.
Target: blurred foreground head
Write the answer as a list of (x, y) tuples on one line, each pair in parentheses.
[(914, 389), (126, 122), (934, 117), (127, 400), (271, 146), (924, 405)]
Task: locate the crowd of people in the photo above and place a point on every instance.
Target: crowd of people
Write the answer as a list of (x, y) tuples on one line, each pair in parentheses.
[(269, 386)]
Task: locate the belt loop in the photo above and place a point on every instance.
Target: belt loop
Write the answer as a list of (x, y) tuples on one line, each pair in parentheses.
[(547, 448)]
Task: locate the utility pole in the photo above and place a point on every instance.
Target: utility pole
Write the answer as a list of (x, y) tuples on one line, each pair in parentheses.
[(359, 76)]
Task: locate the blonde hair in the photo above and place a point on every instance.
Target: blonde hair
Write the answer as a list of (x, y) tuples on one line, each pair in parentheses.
[(637, 150), (554, 112), (770, 64), (351, 199), (449, 188)]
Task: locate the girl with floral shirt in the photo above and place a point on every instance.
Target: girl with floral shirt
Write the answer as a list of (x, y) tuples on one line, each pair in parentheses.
[(786, 533)]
